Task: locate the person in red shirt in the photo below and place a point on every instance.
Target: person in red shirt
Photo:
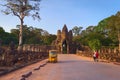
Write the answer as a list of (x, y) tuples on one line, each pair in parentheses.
[(95, 56)]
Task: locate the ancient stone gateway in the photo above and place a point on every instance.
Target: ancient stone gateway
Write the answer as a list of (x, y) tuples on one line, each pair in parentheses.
[(64, 41)]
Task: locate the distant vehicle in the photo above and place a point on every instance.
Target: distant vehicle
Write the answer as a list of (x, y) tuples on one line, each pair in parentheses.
[(53, 56)]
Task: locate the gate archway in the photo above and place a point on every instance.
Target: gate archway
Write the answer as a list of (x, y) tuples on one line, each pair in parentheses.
[(64, 47), (63, 42)]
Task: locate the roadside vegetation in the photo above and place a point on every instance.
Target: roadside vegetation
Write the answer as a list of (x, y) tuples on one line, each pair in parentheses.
[(31, 35), (107, 32)]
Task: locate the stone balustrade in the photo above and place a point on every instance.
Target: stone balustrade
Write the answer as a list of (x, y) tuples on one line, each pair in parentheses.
[(104, 53), (11, 56)]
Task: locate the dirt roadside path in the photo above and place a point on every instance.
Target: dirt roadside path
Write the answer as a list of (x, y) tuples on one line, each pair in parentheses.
[(17, 75)]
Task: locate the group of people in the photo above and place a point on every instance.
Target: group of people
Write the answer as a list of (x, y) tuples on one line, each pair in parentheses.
[(95, 56)]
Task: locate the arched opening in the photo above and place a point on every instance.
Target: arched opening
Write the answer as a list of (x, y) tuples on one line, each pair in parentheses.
[(64, 47)]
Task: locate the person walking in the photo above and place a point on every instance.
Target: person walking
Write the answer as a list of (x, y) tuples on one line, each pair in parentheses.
[(95, 56)]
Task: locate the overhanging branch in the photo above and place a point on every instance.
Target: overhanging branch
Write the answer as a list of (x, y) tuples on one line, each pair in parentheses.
[(16, 14)]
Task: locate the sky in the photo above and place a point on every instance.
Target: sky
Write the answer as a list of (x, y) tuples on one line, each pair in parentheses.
[(55, 13)]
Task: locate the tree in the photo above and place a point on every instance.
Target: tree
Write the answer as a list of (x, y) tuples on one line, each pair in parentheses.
[(111, 26), (94, 44), (114, 26), (1, 30), (37, 36), (21, 9), (76, 30), (6, 37), (48, 39)]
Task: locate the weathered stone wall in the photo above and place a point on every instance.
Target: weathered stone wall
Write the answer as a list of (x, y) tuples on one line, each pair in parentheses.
[(11, 56), (105, 54), (37, 48)]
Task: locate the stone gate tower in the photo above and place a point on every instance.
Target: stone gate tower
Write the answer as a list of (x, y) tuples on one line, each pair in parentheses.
[(64, 41)]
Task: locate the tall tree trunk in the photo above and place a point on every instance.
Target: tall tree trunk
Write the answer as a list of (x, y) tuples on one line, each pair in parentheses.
[(20, 46)]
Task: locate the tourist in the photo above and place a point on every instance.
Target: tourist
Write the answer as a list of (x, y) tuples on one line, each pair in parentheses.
[(95, 56)]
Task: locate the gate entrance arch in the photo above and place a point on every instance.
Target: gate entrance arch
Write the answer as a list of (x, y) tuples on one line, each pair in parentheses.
[(64, 42), (64, 47)]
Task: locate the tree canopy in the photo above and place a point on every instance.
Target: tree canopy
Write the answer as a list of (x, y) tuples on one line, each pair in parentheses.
[(107, 32), (31, 35), (76, 30), (94, 44), (21, 9)]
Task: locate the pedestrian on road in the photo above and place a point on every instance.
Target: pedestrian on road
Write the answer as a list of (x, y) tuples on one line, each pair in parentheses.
[(95, 56)]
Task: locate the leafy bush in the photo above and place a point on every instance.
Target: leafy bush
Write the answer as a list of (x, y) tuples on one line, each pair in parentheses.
[(94, 44)]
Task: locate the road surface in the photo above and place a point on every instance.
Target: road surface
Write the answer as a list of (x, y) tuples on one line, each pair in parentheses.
[(69, 67)]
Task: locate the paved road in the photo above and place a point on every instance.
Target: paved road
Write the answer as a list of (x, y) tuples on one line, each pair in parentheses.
[(73, 67)]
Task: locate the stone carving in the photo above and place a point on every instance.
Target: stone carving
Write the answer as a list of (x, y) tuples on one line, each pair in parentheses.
[(64, 41)]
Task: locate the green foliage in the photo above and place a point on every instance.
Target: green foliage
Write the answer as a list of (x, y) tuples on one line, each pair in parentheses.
[(107, 31), (32, 35), (77, 38), (94, 44), (110, 27), (94, 32), (48, 39), (7, 37), (1, 30), (19, 7), (76, 30)]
